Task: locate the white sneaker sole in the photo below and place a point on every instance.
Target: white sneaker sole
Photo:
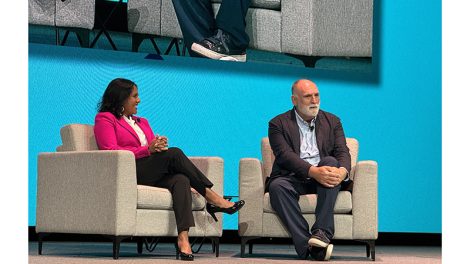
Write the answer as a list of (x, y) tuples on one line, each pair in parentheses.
[(329, 251), (215, 55), (314, 242)]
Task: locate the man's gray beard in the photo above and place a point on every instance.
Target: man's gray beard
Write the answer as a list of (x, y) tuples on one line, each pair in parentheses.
[(309, 112)]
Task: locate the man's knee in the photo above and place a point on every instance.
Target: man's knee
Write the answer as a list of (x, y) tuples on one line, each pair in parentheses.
[(275, 187), (278, 188), (329, 161)]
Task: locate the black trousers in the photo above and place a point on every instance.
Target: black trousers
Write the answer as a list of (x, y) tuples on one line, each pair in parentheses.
[(284, 193), (196, 19), (172, 170)]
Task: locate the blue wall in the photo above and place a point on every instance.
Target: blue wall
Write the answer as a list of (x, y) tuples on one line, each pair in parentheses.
[(221, 109)]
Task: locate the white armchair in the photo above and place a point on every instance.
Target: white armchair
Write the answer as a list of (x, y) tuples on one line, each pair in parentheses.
[(355, 213), (84, 190)]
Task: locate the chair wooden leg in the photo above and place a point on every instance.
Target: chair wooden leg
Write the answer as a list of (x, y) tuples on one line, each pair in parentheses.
[(242, 249), (370, 249), (217, 244), (367, 250), (136, 41), (116, 245), (244, 240), (40, 240), (140, 245)]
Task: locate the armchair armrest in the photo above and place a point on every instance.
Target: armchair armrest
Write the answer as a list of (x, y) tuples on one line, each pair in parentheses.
[(250, 218), (213, 168), (364, 200), (89, 192), (327, 28)]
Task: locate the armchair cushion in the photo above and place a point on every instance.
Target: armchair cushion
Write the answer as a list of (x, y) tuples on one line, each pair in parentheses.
[(156, 198), (308, 203)]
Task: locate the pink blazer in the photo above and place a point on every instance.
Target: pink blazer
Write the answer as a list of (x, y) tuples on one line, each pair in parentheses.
[(116, 134)]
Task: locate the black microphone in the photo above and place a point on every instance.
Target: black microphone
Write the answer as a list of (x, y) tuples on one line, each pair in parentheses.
[(312, 126), (138, 119)]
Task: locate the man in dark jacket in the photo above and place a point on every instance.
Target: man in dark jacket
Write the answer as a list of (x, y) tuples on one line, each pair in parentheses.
[(311, 157)]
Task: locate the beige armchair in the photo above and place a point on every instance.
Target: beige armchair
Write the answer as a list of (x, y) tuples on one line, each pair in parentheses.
[(84, 190), (355, 213)]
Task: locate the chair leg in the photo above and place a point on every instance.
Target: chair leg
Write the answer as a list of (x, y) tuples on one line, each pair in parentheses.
[(215, 240), (116, 245), (83, 36), (136, 41), (155, 46), (308, 61), (40, 240), (57, 36), (370, 248), (140, 245), (173, 42), (67, 32), (177, 250), (367, 250), (183, 53), (244, 240)]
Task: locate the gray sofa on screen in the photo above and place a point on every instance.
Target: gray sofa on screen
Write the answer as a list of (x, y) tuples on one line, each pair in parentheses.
[(306, 29), (83, 190), (76, 16), (355, 213)]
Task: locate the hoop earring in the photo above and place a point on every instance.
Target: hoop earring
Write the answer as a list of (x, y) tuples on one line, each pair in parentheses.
[(122, 110)]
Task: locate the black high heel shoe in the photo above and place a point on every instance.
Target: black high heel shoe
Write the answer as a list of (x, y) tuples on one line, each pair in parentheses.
[(212, 209), (183, 256)]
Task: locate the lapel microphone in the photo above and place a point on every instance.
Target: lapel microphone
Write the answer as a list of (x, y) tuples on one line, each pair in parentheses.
[(312, 126)]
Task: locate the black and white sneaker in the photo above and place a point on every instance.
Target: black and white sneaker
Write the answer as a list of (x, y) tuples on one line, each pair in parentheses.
[(319, 239), (218, 47)]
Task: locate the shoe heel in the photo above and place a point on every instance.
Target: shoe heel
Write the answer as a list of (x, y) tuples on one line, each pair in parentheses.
[(213, 216)]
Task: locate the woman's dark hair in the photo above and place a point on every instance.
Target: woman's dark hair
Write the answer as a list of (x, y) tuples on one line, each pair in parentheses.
[(116, 93)]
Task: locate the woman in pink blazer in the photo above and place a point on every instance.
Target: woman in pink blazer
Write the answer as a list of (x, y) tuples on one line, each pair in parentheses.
[(117, 128)]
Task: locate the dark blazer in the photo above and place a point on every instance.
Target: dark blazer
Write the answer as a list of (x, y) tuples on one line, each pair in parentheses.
[(284, 138)]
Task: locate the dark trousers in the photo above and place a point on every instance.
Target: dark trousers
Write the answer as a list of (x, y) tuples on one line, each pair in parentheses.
[(284, 193), (172, 170), (196, 19)]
